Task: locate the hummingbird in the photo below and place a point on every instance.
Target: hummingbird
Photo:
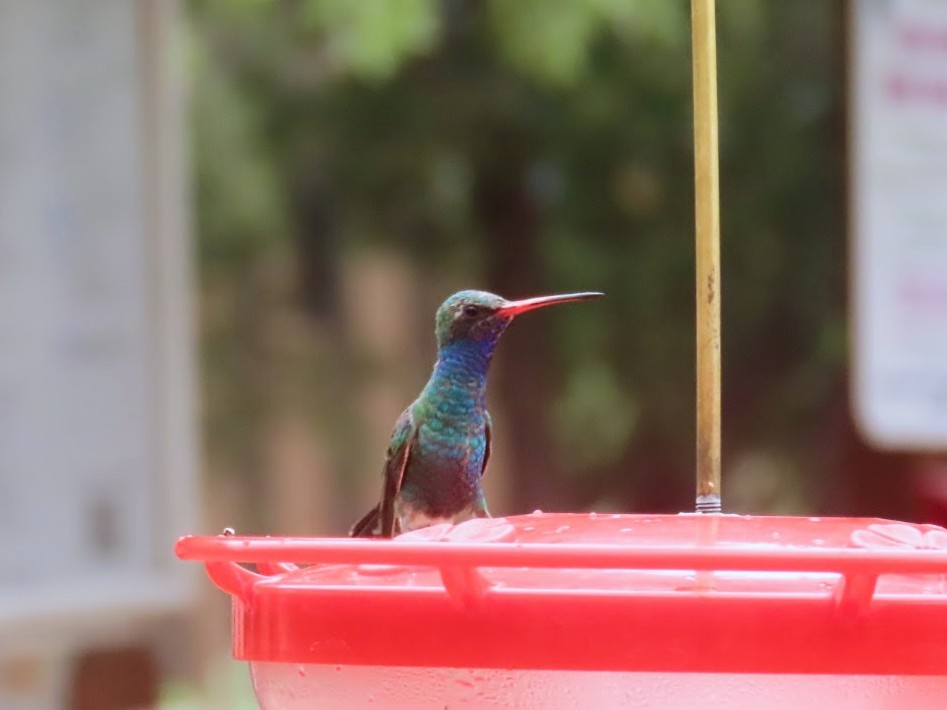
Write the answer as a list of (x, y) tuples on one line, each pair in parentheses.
[(441, 443)]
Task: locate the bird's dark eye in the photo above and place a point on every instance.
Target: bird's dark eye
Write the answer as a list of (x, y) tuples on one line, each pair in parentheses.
[(471, 311)]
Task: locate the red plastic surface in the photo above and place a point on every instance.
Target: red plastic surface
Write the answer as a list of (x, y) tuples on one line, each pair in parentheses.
[(682, 593)]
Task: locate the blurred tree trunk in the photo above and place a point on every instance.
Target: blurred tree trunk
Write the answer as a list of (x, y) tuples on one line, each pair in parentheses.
[(513, 266), (318, 247), (252, 368), (865, 481)]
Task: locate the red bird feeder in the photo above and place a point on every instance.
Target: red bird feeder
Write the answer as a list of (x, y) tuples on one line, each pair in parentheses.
[(605, 611)]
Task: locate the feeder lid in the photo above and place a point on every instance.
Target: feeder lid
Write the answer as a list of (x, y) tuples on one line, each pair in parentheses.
[(715, 593)]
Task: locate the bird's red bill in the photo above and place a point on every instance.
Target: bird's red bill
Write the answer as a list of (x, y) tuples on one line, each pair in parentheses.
[(514, 308)]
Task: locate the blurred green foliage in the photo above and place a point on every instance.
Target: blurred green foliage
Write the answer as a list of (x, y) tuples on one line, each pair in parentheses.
[(541, 145), (373, 38)]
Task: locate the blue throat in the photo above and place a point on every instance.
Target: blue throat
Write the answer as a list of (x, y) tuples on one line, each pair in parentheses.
[(456, 391), (464, 364)]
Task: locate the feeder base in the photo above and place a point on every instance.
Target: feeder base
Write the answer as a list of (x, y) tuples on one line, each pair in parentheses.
[(288, 686)]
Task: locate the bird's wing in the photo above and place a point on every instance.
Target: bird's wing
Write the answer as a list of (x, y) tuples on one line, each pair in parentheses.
[(380, 520), (488, 433), (365, 527), (403, 439), (480, 507)]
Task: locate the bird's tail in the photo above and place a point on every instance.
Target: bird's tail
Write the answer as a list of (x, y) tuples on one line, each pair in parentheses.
[(367, 526)]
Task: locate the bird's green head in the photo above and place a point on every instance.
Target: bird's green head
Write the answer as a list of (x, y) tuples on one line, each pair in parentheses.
[(470, 316), (479, 318)]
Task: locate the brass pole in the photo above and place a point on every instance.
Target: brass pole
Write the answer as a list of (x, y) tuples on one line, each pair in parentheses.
[(707, 212)]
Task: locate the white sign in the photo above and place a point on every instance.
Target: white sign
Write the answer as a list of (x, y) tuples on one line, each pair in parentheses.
[(899, 220), (96, 424)]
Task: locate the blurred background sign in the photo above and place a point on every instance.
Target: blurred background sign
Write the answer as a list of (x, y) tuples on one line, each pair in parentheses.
[(97, 442), (899, 221)]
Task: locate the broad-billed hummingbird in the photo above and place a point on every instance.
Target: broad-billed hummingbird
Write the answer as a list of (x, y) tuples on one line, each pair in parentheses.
[(441, 442)]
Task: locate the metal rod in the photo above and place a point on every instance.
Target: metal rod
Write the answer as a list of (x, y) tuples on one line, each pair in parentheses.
[(707, 213)]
